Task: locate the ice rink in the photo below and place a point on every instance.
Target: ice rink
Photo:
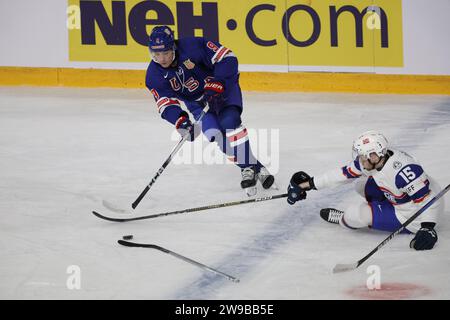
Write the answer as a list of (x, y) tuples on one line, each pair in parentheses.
[(64, 150)]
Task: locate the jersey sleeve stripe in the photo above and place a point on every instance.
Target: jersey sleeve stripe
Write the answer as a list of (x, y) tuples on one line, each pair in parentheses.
[(421, 198), (219, 54), (353, 173), (421, 194), (164, 102), (349, 173)]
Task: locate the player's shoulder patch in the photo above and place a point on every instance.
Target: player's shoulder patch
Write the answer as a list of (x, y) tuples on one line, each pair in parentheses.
[(189, 64)]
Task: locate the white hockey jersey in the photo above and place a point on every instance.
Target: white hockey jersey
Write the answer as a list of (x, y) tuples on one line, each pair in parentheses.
[(402, 181)]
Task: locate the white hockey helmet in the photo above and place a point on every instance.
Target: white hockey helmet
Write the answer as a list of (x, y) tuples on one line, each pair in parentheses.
[(370, 142)]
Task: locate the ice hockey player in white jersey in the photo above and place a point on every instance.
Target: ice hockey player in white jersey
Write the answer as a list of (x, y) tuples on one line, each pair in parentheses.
[(394, 187)]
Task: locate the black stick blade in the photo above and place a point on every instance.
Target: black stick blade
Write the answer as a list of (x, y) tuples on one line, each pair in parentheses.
[(109, 218), (138, 245)]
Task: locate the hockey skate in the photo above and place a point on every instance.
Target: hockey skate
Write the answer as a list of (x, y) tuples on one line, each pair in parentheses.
[(267, 180), (249, 178), (331, 215)]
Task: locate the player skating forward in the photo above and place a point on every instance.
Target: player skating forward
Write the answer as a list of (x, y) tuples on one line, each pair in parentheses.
[(394, 186), (195, 69)]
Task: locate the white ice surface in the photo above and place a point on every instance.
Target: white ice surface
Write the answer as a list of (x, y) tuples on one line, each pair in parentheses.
[(64, 150)]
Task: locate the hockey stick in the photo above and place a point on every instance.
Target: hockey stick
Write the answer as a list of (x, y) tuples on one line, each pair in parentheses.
[(351, 266), (160, 170), (179, 256), (213, 206), (169, 159)]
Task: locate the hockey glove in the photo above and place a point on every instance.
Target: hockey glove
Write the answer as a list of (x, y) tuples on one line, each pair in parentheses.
[(185, 126), (213, 92), (295, 192), (425, 238)]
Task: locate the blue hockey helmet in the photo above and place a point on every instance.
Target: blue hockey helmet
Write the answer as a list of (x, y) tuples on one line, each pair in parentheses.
[(161, 39)]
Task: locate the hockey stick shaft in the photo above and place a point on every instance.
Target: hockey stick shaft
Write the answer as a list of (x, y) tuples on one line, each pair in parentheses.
[(340, 268), (179, 256), (168, 160), (214, 206)]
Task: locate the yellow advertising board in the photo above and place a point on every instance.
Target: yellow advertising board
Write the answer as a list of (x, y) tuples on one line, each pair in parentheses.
[(281, 32)]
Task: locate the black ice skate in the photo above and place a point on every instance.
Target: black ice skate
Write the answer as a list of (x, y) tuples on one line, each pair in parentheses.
[(248, 182), (331, 215), (265, 178)]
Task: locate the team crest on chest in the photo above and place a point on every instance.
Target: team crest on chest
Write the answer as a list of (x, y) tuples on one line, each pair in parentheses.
[(189, 64), (397, 165)]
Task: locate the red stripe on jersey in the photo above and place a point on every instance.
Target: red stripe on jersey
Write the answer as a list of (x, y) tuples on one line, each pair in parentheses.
[(164, 102), (219, 55), (421, 199), (352, 172)]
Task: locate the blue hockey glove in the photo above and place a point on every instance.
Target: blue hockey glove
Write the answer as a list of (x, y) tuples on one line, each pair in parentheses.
[(184, 125), (425, 238), (213, 92), (295, 192)]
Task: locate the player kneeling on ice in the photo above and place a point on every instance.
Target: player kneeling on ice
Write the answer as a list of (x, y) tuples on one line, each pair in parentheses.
[(194, 70), (394, 186)]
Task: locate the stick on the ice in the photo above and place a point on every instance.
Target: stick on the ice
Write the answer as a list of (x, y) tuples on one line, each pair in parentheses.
[(213, 206), (352, 266), (179, 256), (168, 160)]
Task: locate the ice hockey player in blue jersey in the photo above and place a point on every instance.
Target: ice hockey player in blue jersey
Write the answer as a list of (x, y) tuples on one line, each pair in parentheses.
[(393, 185), (195, 70)]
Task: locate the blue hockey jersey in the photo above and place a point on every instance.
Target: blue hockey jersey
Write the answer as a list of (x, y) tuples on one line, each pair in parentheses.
[(197, 61)]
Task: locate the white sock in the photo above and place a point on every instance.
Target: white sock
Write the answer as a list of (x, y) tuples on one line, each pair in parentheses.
[(357, 216)]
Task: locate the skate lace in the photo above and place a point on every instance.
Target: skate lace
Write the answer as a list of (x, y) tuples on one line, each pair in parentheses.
[(248, 174), (335, 215)]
